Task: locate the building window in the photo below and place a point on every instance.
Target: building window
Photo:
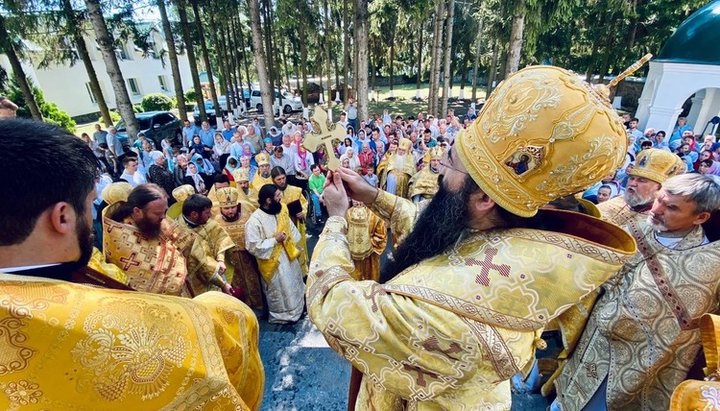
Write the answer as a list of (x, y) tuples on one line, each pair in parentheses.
[(90, 92), (134, 87), (163, 83)]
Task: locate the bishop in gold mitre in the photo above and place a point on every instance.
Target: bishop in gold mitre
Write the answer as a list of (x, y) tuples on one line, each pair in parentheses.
[(424, 184), (262, 176), (475, 277), (400, 168), (241, 267)]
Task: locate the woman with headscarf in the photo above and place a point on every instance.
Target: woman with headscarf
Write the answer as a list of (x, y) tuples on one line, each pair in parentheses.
[(353, 160), (159, 174), (303, 161), (194, 178), (181, 163), (231, 165), (221, 150), (320, 157), (347, 143), (246, 164), (710, 167)]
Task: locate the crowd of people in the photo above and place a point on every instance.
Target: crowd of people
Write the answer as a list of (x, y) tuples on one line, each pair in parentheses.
[(509, 227)]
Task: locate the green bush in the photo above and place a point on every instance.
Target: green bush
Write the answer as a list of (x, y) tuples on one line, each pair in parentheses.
[(114, 116), (190, 96), (52, 114), (156, 102), (138, 108)]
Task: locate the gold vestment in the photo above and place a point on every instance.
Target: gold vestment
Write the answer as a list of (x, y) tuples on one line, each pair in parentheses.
[(449, 332), (291, 194), (424, 183), (72, 347), (367, 238), (210, 244)]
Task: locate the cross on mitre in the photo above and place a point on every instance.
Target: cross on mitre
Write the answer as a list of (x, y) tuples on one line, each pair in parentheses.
[(324, 132)]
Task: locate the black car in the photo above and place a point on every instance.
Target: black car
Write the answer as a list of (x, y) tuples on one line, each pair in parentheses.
[(156, 125)]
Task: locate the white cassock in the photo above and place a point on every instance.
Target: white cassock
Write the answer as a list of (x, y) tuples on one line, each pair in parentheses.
[(285, 293)]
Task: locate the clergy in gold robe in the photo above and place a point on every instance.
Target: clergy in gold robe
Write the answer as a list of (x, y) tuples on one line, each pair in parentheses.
[(220, 180), (242, 183), (652, 167), (400, 168), (642, 336), (367, 239), (262, 177), (66, 346), (382, 167), (274, 240), (180, 194), (292, 197), (245, 275), (145, 245), (475, 281), (211, 243), (424, 184)]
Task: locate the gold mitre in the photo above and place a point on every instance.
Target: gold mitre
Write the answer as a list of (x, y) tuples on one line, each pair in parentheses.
[(543, 134), (227, 196), (116, 192), (181, 193), (405, 144), (434, 153), (262, 159), (240, 174), (657, 165)]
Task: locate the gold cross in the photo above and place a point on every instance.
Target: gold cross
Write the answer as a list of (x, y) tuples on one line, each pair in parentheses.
[(324, 132)]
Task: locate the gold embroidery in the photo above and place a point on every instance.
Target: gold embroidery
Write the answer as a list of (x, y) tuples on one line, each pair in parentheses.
[(23, 392)]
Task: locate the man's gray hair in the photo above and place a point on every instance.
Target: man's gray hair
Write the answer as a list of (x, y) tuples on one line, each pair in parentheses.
[(704, 190)]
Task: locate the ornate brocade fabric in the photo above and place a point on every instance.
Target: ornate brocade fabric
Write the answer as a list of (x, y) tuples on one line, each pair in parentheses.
[(449, 332), (71, 347), (643, 332), (619, 213), (210, 244), (424, 183)]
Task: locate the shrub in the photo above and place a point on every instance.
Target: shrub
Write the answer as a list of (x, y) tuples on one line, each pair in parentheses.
[(51, 113), (137, 108), (190, 96), (114, 116), (156, 102)]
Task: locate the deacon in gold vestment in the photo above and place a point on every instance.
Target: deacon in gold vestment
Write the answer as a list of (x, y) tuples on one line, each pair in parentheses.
[(148, 247), (232, 217), (642, 336), (400, 168), (67, 346), (367, 238), (652, 167), (475, 282), (424, 184), (206, 260), (382, 168)]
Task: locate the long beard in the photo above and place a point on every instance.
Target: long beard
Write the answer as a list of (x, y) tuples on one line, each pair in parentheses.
[(147, 228), (274, 208), (634, 199), (437, 228)]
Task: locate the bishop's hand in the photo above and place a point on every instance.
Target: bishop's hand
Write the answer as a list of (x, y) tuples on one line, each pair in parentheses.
[(357, 188), (334, 195)]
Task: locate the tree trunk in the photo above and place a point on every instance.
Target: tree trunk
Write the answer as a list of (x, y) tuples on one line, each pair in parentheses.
[(6, 43), (492, 71), (172, 55), (189, 49), (516, 38), (392, 60), (270, 60), (72, 22), (260, 60), (361, 44), (593, 58), (217, 36), (419, 61), (346, 50), (476, 65), (105, 41), (303, 59), (328, 52), (283, 54), (206, 61), (437, 57), (448, 56), (237, 28)]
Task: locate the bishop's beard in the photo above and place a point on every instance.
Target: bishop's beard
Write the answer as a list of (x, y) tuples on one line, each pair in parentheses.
[(437, 228)]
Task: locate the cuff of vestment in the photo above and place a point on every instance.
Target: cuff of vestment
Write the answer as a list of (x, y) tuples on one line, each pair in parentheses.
[(335, 225)]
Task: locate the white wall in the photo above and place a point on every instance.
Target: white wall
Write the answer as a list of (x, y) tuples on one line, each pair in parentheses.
[(66, 85)]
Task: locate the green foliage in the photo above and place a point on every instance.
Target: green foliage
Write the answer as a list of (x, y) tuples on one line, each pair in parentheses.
[(190, 96), (114, 116), (156, 102), (51, 113), (138, 108)]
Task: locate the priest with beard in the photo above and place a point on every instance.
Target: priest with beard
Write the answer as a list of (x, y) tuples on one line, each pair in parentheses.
[(297, 204), (148, 247), (424, 184), (460, 308), (274, 240), (232, 217), (400, 168), (70, 346), (652, 168), (206, 259)]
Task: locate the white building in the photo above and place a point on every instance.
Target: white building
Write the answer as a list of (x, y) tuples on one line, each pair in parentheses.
[(69, 87)]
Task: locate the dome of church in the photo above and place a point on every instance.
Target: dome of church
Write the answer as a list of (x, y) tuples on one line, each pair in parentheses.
[(697, 40)]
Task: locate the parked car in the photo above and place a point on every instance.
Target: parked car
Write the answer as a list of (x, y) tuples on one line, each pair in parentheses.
[(156, 125), (210, 108), (290, 103)]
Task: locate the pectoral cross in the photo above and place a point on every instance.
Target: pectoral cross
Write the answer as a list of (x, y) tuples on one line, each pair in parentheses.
[(324, 132)]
